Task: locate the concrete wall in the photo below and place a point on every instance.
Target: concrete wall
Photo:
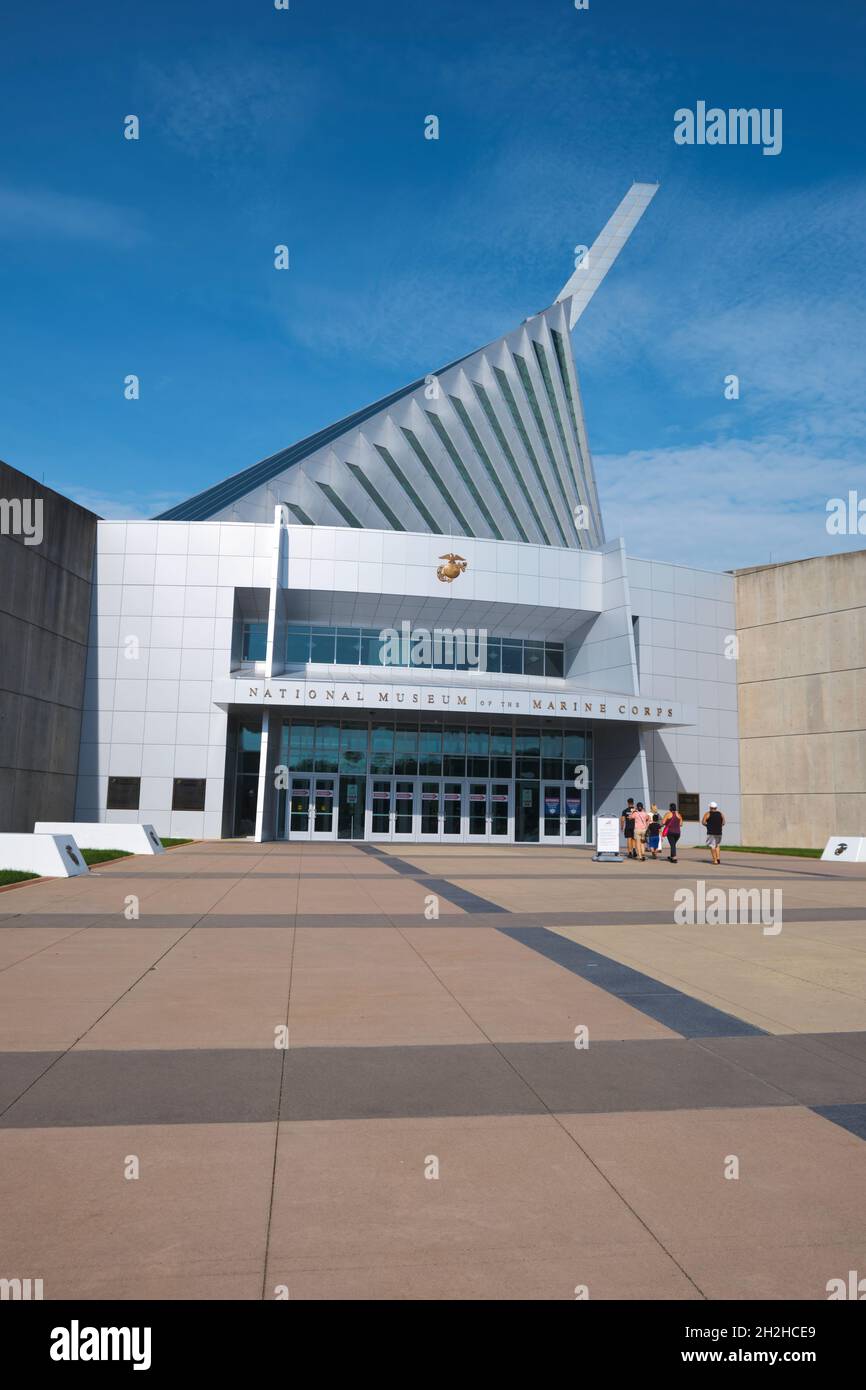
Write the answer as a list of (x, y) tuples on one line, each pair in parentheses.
[(44, 616), (685, 618), (802, 697)]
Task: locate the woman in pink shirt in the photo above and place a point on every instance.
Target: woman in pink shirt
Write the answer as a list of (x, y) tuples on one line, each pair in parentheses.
[(641, 821)]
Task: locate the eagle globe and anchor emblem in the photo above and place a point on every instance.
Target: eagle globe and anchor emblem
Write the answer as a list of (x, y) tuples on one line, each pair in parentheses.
[(454, 566)]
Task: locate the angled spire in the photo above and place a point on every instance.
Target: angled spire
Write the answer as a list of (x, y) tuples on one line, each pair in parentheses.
[(605, 249)]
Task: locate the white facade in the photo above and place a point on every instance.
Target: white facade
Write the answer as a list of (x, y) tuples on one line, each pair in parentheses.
[(198, 700), (162, 680)]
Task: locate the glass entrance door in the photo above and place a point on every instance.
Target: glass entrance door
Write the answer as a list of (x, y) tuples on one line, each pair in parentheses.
[(452, 810), (477, 811), (526, 815), (553, 810), (563, 813), (430, 810), (488, 810), (392, 808), (381, 803), (352, 803), (323, 813), (434, 808), (404, 809), (312, 808), (299, 808), (441, 809), (501, 810)]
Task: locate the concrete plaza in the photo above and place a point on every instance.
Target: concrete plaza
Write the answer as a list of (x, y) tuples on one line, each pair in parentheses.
[(431, 1130)]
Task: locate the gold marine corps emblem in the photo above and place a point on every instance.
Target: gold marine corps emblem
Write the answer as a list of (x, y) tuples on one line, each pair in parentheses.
[(455, 566)]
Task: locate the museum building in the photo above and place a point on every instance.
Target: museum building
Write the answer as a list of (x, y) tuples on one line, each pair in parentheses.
[(411, 627)]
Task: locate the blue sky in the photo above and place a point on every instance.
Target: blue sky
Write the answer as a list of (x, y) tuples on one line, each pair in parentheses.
[(305, 127)]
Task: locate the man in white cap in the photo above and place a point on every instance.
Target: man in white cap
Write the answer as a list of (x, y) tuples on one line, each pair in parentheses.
[(714, 821)]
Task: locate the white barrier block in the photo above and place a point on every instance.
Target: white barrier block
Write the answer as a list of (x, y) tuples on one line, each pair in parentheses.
[(847, 849), (138, 839), (51, 856)]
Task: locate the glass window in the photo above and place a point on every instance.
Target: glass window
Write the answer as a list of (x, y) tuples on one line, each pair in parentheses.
[(327, 747), (554, 659), (527, 743), (255, 642), (249, 748), (420, 651), (575, 749), (445, 650), (371, 647), (188, 794), (527, 747), (551, 744), (478, 749), (512, 657), (323, 645), (123, 793), (353, 748), (430, 751), (301, 747), (455, 752), (297, 646), (382, 748), (348, 647), (501, 753), (478, 742), (533, 658), (406, 752), (494, 654), (551, 754), (500, 743), (455, 742)]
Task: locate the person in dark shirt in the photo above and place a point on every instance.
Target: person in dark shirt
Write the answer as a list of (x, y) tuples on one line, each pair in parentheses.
[(714, 821), (672, 826), (626, 825), (653, 835)]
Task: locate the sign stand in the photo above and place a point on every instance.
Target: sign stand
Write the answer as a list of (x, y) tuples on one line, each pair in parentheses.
[(607, 841)]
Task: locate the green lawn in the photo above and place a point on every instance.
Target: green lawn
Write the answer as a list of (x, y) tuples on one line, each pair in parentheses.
[(763, 849), (101, 856), (14, 876), (169, 844)]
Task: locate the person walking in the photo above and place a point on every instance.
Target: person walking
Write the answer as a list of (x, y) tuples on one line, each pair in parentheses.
[(641, 821), (715, 822), (653, 833), (626, 825), (672, 828)]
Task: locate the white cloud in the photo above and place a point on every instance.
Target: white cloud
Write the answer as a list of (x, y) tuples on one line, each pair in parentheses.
[(727, 503), (122, 505), (41, 212)]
